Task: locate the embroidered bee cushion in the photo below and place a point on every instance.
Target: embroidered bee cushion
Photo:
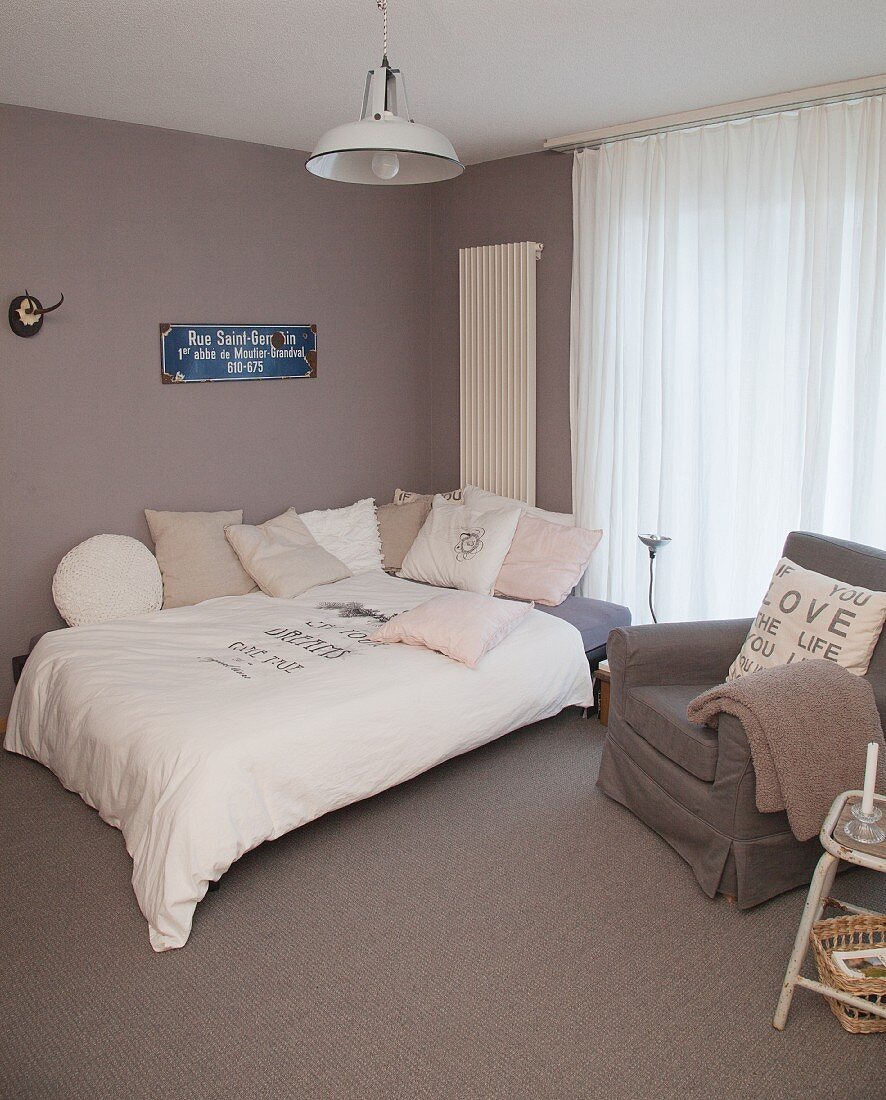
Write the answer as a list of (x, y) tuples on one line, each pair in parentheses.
[(805, 614), (476, 497), (461, 547)]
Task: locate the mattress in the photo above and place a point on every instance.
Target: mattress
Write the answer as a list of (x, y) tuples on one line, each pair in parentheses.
[(201, 732)]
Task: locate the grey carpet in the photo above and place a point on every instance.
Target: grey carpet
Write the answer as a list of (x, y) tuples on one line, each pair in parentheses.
[(494, 929)]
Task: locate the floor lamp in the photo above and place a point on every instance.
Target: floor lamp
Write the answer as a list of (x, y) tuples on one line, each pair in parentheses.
[(653, 544)]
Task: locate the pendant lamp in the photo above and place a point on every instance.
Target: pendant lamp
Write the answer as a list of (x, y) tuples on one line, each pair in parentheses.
[(385, 146)]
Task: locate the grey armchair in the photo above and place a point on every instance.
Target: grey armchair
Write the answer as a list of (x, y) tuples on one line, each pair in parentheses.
[(694, 786)]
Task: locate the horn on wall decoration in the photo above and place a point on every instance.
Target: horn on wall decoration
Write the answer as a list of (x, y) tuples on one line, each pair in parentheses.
[(26, 314)]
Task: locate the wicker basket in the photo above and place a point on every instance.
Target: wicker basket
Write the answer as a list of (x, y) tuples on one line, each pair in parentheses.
[(851, 934)]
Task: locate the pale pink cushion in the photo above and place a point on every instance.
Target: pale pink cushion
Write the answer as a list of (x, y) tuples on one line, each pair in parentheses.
[(545, 561), (462, 625)]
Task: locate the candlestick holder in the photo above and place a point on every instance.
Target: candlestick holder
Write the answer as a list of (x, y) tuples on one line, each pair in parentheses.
[(863, 829)]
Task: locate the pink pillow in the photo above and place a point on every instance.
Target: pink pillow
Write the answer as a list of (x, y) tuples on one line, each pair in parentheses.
[(462, 625), (545, 561)]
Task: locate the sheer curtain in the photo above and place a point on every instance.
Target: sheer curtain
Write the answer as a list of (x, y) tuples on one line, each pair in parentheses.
[(728, 355)]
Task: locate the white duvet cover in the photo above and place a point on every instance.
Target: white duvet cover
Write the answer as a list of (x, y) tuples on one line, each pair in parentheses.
[(203, 731)]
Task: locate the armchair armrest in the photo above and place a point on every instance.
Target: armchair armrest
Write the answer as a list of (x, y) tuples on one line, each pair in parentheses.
[(674, 653)]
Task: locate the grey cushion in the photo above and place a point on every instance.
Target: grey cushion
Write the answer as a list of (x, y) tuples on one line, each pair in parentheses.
[(593, 619), (658, 714)]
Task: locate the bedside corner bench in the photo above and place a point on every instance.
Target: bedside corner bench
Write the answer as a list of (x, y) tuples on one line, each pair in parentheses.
[(593, 619)]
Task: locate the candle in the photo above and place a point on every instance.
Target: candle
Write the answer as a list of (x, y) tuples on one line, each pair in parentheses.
[(870, 779)]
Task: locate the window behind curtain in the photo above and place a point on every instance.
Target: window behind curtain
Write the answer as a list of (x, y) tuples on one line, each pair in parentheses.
[(728, 351)]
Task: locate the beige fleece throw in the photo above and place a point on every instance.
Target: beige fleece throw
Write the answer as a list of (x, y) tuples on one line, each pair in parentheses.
[(808, 725)]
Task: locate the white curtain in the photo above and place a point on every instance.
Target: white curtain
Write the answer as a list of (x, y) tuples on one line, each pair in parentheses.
[(728, 351)]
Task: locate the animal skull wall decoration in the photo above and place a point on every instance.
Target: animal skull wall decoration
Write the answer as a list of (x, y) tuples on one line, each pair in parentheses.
[(26, 314)]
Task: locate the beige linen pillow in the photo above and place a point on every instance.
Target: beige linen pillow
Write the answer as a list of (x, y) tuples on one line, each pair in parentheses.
[(194, 556), (398, 525), (806, 614), (461, 548), (283, 557)]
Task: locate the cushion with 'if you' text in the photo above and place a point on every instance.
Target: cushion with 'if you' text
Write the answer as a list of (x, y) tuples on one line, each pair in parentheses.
[(806, 614)]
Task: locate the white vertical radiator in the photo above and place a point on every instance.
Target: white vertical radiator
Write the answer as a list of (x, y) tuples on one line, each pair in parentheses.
[(497, 317)]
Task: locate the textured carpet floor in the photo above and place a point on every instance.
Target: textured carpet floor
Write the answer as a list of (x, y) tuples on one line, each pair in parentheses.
[(494, 929)]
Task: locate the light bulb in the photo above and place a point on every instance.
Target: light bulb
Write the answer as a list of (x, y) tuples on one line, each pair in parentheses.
[(385, 165)]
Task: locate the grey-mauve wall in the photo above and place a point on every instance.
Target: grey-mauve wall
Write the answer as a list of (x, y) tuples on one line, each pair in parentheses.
[(526, 198), (139, 226)]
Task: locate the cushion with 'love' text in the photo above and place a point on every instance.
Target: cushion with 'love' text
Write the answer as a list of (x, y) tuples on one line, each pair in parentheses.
[(806, 614)]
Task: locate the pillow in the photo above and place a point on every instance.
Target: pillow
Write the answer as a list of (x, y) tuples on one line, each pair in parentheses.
[(349, 534), (459, 547), (283, 557), (107, 577), (806, 614), (481, 498), (401, 496), (462, 625), (194, 556), (398, 524), (545, 561)]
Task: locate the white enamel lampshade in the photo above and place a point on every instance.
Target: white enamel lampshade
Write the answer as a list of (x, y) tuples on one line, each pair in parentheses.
[(384, 147)]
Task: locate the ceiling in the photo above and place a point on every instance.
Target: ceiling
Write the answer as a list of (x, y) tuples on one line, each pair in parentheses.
[(497, 76)]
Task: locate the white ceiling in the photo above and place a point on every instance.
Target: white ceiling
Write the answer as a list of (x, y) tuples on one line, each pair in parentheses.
[(497, 76)]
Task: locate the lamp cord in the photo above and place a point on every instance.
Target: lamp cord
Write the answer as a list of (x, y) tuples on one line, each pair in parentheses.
[(651, 560), (382, 6)]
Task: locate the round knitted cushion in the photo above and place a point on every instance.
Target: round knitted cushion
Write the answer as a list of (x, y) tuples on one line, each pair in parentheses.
[(107, 577)]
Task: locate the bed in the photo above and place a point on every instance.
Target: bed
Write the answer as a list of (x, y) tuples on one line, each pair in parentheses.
[(201, 732)]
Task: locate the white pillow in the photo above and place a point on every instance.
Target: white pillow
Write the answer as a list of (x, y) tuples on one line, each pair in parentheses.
[(349, 534), (806, 614), (461, 547), (107, 577), (283, 557), (482, 498)]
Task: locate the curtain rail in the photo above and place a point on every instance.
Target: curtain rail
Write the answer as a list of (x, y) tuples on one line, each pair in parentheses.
[(725, 112)]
